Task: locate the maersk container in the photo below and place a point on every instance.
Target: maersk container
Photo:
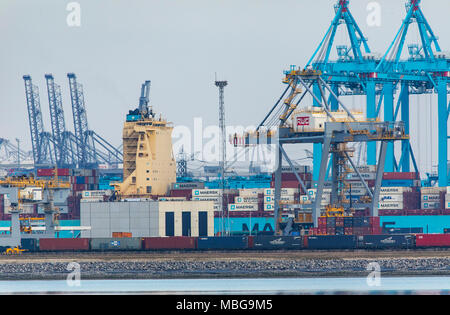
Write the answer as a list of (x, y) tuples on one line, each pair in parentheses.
[(385, 241), (122, 243), (277, 242), (332, 242), (222, 242), (63, 244), (176, 242), (397, 183)]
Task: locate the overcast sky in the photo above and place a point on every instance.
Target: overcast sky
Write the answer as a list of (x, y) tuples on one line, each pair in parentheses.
[(179, 45)]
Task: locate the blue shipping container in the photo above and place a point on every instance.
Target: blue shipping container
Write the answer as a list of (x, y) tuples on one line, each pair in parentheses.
[(223, 242), (397, 183), (385, 241), (278, 242), (332, 242)]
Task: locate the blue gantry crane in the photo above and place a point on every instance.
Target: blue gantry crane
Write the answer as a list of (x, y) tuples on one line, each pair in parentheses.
[(64, 140), (88, 154), (41, 140), (425, 71)]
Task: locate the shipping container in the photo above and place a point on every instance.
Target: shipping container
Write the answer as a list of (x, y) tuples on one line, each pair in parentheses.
[(243, 207), (430, 197), (187, 185), (384, 198), (277, 242), (390, 205), (385, 241), (205, 192), (411, 230), (222, 242), (401, 175), (284, 192), (433, 240), (103, 244), (332, 242), (168, 243), (246, 199), (29, 244), (399, 183), (63, 244)]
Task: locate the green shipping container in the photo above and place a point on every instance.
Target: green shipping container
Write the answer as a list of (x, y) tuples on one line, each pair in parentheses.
[(119, 243)]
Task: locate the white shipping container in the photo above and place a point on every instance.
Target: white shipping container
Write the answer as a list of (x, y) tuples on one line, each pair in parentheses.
[(367, 168), (448, 189), (390, 205), (394, 190), (356, 191), (171, 198), (95, 193), (214, 199), (250, 192), (430, 205), (313, 191), (365, 176), (243, 207), (284, 191), (246, 199), (432, 190), (391, 198), (271, 199), (205, 192), (431, 198)]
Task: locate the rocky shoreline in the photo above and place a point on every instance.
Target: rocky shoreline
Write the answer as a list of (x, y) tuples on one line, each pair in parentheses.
[(222, 268)]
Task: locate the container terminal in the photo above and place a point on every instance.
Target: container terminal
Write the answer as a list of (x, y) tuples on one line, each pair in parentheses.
[(76, 191)]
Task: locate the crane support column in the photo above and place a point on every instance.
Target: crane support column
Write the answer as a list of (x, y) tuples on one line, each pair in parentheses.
[(378, 178), (277, 211), (371, 115), (321, 179), (317, 147), (443, 133), (389, 116), (406, 158)]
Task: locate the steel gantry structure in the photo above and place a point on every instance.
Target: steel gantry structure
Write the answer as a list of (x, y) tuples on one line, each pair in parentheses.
[(62, 147), (425, 71), (40, 139), (358, 71), (65, 155), (333, 139)]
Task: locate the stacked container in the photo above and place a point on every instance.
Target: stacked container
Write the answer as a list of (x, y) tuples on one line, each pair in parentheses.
[(432, 199), (403, 179), (348, 226)]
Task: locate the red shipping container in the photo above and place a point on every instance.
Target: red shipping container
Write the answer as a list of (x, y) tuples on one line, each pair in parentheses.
[(401, 175), (446, 212), (51, 172), (322, 231), (177, 242), (348, 231), (70, 244), (181, 193), (431, 240), (339, 222)]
